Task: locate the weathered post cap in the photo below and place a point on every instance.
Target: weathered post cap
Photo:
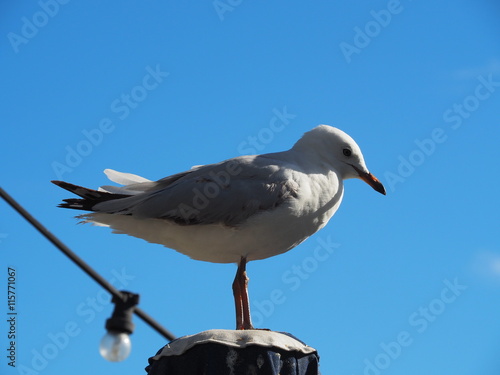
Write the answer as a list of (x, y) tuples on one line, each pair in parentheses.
[(220, 352)]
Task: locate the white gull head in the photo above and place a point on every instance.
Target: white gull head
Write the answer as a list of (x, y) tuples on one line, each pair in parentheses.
[(338, 151)]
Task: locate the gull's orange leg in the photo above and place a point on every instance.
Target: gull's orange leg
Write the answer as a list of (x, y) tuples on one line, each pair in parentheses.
[(241, 300)]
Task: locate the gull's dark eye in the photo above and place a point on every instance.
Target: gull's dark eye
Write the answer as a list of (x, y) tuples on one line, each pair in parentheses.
[(346, 152)]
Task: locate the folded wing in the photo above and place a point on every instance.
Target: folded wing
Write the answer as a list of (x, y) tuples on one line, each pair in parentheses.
[(227, 193)]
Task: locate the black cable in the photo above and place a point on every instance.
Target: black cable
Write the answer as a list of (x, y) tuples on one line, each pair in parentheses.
[(84, 266)]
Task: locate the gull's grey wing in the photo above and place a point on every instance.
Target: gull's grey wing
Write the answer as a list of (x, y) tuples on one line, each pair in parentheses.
[(228, 192)]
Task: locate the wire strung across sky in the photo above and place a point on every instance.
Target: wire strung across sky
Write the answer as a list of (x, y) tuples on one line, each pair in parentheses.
[(84, 266)]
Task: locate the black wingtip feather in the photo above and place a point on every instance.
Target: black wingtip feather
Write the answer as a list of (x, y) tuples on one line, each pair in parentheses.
[(89, 197), (77, 204)]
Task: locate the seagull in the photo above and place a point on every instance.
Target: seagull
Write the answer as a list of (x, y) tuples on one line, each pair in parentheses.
[(242, 209)]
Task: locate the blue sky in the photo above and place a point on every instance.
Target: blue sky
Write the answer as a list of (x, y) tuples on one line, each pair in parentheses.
[(410, 281)]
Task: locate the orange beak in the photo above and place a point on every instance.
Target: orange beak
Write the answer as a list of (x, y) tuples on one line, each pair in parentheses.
[(371, 180)]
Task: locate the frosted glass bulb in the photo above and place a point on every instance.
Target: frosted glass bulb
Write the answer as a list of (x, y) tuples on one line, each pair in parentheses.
[(115, 346)]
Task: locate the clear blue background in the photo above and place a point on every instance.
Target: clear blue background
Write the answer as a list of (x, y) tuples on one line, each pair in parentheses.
[(418, 70)]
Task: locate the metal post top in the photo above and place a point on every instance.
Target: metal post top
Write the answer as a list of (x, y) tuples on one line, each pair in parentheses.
[(226, 352)]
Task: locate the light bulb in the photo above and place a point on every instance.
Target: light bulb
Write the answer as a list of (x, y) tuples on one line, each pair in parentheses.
[(115, 346)]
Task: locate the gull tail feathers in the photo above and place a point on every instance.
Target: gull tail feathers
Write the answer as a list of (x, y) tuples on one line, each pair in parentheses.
[(133, 184), (123, 178)]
